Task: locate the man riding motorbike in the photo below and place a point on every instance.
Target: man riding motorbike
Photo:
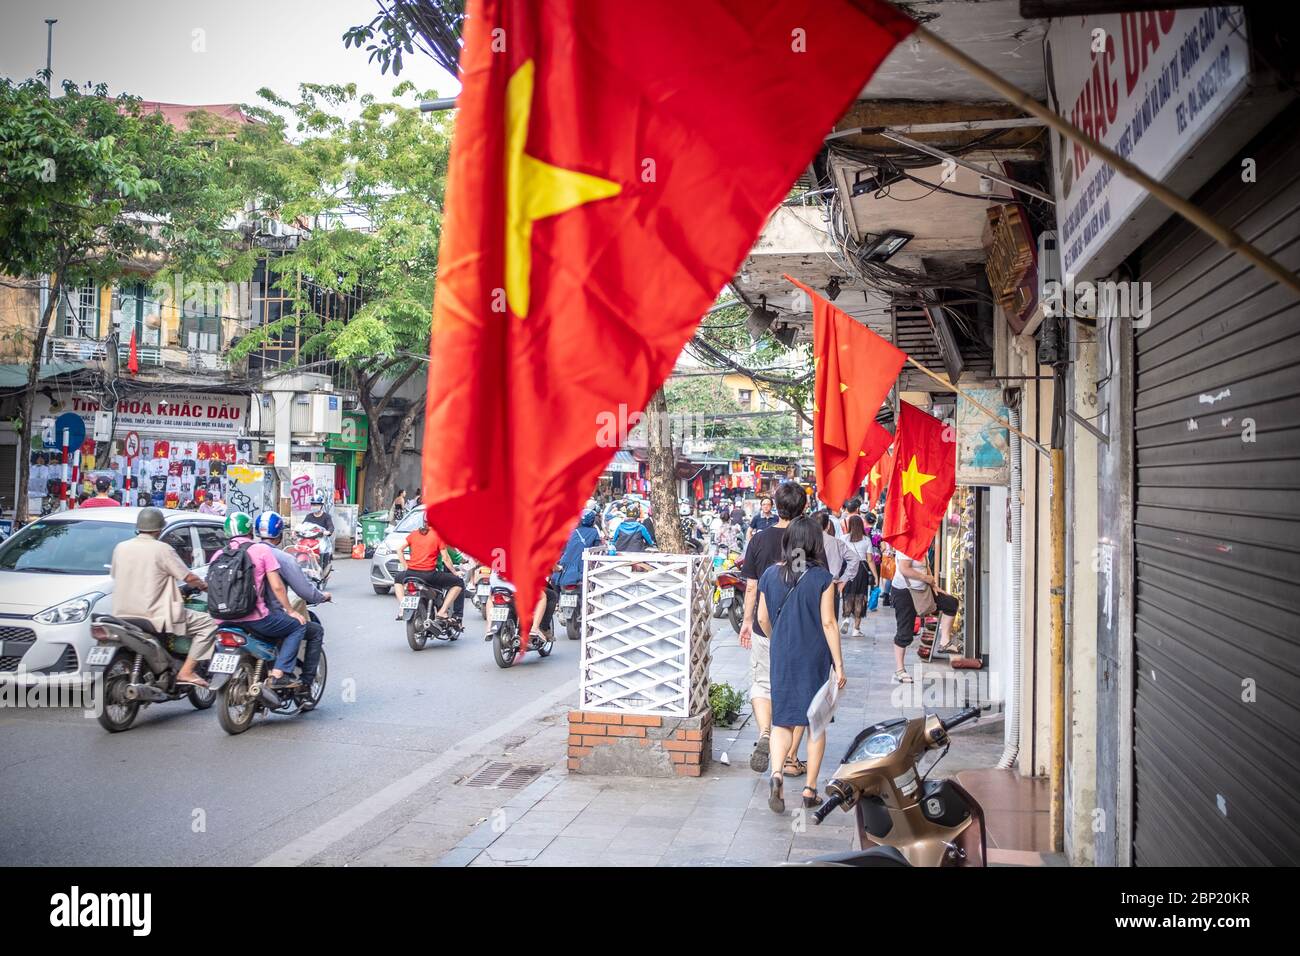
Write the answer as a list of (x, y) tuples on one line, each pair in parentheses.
[(270, 529), (427, 548), (631, 534), (145, 573), (583, 537)]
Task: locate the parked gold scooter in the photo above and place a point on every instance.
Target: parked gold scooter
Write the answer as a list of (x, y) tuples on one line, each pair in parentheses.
[(904, 820)]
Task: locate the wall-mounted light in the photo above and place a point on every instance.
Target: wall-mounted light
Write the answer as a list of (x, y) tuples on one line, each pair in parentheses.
[(833, 288), (884, 246)]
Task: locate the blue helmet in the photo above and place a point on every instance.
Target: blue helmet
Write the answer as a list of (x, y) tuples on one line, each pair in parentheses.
[(269, 525), (588, 518)]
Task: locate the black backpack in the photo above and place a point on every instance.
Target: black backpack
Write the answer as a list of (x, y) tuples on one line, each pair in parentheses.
[(232, 587)]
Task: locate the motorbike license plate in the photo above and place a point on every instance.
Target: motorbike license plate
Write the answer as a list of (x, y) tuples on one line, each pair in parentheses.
[(223, 664), (484, 590), (499, 614), (568, 600), (100, 655), (410, 602), (726, 599)]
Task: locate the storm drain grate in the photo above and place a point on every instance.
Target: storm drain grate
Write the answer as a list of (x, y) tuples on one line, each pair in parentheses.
[(505, 776)]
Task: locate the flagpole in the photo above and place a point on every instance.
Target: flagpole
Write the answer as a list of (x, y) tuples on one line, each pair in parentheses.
[(949, 386), (1225, 236)]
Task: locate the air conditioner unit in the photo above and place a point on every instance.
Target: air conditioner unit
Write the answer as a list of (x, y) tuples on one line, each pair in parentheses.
[(326, 414)]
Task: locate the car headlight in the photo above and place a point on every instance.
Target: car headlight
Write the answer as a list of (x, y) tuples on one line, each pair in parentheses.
[(69, 612), (382, 550)]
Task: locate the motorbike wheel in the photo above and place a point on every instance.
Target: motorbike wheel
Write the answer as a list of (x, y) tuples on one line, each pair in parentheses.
[(573, 627), (238, 704), (201, 697), (505, 644), (116, 713), (416, 636), (380, 589), (317, 689), (736, 614)]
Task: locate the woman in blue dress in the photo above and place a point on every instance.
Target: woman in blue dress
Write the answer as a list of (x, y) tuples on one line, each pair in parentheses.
[(796, 605)]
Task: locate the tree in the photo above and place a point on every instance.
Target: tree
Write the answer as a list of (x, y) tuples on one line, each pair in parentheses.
[(91, 189), (371, 188)]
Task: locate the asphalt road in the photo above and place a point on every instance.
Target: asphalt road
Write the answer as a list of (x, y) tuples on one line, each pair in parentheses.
[(176, 790)]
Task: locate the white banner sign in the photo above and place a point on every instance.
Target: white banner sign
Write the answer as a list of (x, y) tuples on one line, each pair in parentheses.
[(174, 413), (1148, 85)]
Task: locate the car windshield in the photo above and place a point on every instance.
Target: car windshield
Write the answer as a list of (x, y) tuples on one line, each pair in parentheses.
[(411, 522), (64, 547)]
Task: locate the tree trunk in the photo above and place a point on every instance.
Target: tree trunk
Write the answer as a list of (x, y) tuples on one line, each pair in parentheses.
[(663, 475), (29, 401)]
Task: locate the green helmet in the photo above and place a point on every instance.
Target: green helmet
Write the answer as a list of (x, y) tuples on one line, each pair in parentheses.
[(239, 524)]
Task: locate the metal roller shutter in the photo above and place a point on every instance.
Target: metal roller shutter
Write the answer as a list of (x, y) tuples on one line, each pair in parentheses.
[(8, 478), (1217, 532)]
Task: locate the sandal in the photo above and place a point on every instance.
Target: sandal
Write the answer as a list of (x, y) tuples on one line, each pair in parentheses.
[(948, 649), (814, 800), (902, 677), (775, 794), (799, 767), (758, 759)]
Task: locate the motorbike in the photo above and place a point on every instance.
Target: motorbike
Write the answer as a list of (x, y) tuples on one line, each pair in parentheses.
[(905, 819), (693, 534), (481, 588), (729, 593), (569, 609), (420, 606), (308, 550), (140, 664), (238, 670), (505, 632)]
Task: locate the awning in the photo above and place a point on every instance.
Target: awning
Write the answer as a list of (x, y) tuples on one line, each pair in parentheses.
[(623, 462)]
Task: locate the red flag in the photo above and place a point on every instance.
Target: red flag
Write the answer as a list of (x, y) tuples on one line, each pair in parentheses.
[(613, 163), (878, 478), (855, 370), (133, 360), (923, 480)]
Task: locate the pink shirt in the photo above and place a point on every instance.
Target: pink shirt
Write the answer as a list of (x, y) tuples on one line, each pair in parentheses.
[(99, 503), (263, 559)]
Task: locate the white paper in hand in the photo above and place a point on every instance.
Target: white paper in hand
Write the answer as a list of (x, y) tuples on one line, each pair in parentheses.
[(822, 708)]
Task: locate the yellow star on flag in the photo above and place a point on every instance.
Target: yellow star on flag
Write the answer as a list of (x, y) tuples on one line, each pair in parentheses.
[(534, 189), (913, 479), (874, 476)]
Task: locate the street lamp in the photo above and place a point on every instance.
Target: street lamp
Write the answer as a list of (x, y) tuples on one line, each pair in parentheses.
[(49, 52)]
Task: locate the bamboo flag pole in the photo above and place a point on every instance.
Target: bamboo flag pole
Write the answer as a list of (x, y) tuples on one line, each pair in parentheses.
[(1222, 234), (950, 387)]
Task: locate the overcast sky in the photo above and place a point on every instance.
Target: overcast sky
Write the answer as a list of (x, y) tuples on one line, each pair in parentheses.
[(150, 48)]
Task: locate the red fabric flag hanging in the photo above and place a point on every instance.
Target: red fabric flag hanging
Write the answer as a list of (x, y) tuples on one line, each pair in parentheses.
[(923, 480), (133, 360), (878, 478), (612, 165), (855, 369)]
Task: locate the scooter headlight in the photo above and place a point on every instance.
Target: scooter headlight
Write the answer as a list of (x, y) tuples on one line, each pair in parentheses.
[(878, 745)]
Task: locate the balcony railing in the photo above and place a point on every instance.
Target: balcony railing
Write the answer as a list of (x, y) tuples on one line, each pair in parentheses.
[(71, 349)]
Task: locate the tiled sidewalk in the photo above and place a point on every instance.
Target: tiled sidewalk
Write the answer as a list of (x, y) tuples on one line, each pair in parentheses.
[(721, 818)]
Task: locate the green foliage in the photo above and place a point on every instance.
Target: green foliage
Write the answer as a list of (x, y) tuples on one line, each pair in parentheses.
[(90, 187), (725, 702), (371, 189)]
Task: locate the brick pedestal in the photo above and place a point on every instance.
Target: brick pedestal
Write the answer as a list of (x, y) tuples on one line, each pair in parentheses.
[(637, 746)]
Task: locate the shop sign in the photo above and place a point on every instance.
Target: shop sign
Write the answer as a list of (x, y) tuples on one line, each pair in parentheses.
[(174, 413), (1150, 86), (354, 435), (982, 444)]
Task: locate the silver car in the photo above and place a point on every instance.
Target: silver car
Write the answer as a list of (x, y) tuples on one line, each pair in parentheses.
[(384, 566), (54, 575)]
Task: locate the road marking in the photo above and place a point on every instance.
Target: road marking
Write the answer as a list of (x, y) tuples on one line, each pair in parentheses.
[(299, 851)]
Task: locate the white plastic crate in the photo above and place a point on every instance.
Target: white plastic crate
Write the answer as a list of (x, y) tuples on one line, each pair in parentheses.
[(645, 634)]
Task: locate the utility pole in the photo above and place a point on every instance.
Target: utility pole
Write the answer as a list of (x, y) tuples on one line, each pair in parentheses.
[(49, 52)]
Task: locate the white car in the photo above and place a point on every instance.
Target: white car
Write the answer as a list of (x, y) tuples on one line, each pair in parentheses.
[(383, 566), (54, 576)]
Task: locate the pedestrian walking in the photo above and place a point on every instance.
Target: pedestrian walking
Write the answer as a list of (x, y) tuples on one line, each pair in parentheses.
[(764, 550), (797, 607), (858, 592)]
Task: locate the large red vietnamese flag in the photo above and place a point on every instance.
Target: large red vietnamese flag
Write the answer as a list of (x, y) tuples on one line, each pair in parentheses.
[(923, 480), (855, 369), (613, 162)]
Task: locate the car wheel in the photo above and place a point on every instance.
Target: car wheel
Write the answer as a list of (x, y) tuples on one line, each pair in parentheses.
[(382, 589)]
